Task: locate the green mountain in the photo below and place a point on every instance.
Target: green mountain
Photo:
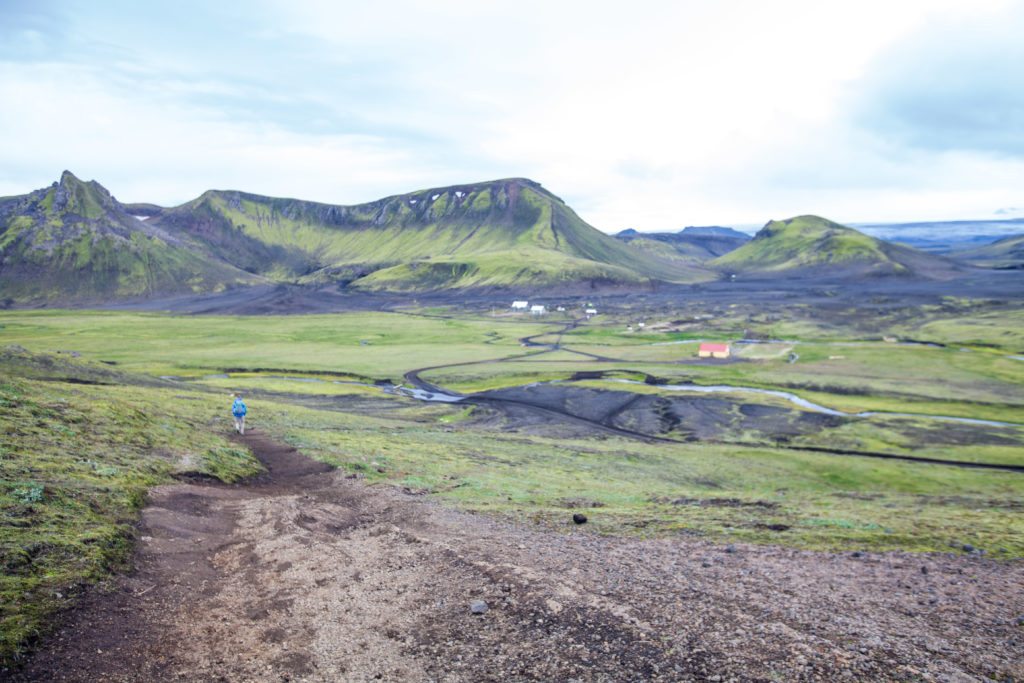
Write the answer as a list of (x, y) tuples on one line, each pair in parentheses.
[(1006, 253), (504, 233), (811, 245), (74, 242)]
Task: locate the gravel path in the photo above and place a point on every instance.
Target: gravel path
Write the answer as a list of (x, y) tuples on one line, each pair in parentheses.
[(305, 575)]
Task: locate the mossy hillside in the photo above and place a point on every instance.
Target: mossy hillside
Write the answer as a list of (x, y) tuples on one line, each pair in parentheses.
[(223, 236), (804, 241), (74, 241), (812, 244), (523, 267), (458, 223), (75, 463)]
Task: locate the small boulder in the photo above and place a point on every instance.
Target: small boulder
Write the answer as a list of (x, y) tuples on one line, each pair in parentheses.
[(579, 518), (478, 607), (730, 548), (924, 570), (967, 548)]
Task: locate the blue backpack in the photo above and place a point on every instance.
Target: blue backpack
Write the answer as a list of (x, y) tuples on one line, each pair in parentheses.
[(238, 408)]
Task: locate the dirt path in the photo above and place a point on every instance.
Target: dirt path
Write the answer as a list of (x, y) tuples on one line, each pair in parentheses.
[(307, 575)]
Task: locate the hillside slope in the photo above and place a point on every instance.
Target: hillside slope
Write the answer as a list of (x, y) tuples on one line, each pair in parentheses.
[(1006, 253), (811, 245), (501, 233), (689, 244), (74, 242)]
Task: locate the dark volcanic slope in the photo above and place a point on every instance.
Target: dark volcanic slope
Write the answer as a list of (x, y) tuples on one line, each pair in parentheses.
[(1005, 253), (74, 242), (814, 246)]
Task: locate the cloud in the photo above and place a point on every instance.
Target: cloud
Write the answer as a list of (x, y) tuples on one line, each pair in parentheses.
[(652, 115), (147, 148), (952, 85)]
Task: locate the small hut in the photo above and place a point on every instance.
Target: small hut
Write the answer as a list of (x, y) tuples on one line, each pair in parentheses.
[(708, 350)]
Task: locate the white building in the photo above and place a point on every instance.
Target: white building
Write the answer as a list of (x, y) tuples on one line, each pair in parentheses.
[(591, 311), (520, 305), (537, 309)]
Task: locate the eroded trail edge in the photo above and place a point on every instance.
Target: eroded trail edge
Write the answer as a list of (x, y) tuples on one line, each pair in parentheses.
[(304, 574)]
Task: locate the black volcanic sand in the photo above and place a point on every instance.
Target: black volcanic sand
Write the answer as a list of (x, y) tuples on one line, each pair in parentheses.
[(868, 293), (689, 417), (548, 409)]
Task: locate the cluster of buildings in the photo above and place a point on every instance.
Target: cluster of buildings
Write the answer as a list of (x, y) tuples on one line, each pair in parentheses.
[(541, 309)]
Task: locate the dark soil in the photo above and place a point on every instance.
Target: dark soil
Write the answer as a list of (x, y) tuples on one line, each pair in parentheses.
[(305, 574), (868, 294)]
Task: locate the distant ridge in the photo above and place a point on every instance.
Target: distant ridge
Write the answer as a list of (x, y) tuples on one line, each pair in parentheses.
[(714, 231)]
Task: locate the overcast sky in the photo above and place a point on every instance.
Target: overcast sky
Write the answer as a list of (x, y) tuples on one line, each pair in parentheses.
[(643, 114)]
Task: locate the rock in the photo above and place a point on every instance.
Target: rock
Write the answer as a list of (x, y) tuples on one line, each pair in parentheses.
[(924, 570), (856, 553), (478, 607), (967, 548), (705, 564), (730, 548), (579, 518), (1020, 620)]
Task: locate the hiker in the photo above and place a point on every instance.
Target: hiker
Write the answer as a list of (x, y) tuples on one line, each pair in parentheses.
[(238, 410)]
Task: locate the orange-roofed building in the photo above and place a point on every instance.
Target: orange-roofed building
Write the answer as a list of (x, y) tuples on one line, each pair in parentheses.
[(713, 351)]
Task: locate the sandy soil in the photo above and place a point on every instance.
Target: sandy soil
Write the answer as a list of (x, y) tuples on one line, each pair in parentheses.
[(306, 575)]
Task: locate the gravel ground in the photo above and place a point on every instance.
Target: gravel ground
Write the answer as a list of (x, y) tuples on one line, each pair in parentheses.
[(306, 575)]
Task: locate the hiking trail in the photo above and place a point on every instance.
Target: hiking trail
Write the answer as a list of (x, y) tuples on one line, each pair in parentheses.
[(305, 574)]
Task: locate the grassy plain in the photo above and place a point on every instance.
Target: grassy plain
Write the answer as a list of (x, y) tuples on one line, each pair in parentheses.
[(374, 345), (77, 458)]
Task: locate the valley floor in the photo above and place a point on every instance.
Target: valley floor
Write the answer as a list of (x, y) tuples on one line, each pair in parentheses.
[(309, 574)]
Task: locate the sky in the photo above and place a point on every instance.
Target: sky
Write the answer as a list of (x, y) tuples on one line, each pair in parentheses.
[(650, 115)]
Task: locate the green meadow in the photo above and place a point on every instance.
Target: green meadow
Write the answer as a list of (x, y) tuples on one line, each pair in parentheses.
[(373, 345), (88, 426)]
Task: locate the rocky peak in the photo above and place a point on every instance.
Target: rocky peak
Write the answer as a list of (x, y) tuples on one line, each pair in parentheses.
[(87, 199)]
